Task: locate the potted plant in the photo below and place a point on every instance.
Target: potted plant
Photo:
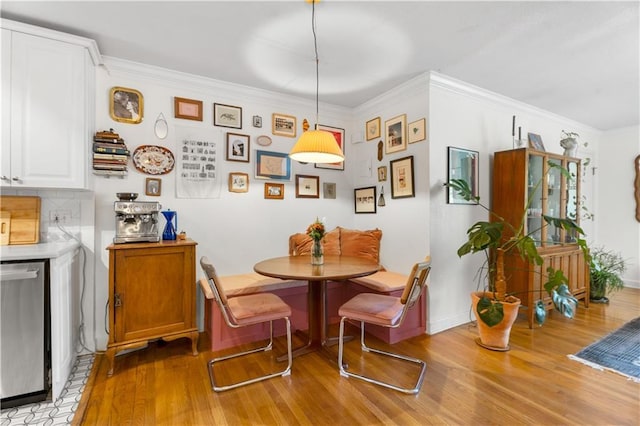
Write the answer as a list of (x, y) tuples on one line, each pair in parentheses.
[(495, 308), (606, 269), (570, 143)]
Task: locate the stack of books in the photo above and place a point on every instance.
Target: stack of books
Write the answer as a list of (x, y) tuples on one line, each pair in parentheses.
[(110, 154)]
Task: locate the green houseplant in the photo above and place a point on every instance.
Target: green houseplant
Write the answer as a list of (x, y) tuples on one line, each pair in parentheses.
[(606, 271), (494, 307)]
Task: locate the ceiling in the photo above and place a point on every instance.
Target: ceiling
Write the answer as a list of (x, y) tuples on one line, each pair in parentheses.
[(576, 59)]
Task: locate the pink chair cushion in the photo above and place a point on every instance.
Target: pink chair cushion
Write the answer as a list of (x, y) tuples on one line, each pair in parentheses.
[(373, 308), (383, 281), (256, 308)]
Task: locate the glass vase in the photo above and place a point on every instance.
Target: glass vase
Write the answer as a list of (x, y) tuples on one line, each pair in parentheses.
[(317, 253)]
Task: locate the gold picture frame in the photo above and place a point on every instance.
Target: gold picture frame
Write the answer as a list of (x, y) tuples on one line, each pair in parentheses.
[(395, 134), (372, 129), (126, 105), (283, 125), (417, 130), (153, 187), (274, 191), (238, 182)]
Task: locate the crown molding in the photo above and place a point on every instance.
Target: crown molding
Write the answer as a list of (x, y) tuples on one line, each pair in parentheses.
[(87, 43), (409, 87)]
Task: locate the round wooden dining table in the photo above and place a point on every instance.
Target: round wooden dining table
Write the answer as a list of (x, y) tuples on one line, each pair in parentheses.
[(335, 268)]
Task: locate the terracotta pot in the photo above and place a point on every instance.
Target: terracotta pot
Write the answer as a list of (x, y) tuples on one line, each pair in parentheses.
[(496, 338)]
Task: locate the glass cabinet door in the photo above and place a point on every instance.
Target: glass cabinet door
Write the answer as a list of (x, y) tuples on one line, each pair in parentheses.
[(553, 207), (572, 197), (534, 197)]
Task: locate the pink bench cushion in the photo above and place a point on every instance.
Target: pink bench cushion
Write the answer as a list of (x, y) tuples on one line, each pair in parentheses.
[(383, 281), (252, 282), (257, 308), (373, 308)]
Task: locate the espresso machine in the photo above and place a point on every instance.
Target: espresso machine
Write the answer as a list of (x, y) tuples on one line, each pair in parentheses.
[(136, 221)]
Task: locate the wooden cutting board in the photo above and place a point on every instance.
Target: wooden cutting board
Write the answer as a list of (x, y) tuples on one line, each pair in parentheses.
[(24, 213), (5, 227)]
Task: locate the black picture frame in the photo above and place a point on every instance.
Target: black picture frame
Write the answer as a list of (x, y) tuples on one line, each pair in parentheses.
[(365, 200)]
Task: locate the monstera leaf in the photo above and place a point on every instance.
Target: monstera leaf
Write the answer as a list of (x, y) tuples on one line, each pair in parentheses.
[(490, 312)]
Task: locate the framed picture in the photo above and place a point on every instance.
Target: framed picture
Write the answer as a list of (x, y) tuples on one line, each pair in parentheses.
[(283, 125), (372, 129), (153, 187), (402, 185), (382, 173), (238, 182), (238, 147), (337, 133), (535, 142), (417, 130), (274, 191), (329, 190), (227, 116), (189, 109), (365, 199), (395, 132), (307, 186), (257, 121), (273, 165), (462, 164), (126, 105)]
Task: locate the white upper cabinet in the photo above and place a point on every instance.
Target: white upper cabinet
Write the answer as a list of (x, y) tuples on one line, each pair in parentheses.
[(47, 110)]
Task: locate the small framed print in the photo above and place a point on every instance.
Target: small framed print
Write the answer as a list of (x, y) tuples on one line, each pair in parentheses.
[(274, 191), (338, 134), (273, 165), (283, 125), (126, 105), (153, 187), (372, 129), (365, 199), (417, 130), (382, 173), (329, 190), (307, 186), (402, 185), (238, 147), (463, 164), (238, 182), (535, 142), (227, 116), (257, 121), (189, 109), (395, 132)]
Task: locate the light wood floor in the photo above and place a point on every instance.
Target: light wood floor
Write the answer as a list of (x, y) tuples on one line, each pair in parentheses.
[(534, 383)]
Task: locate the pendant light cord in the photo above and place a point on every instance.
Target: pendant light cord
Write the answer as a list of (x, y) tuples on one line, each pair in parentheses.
[(315, 45)]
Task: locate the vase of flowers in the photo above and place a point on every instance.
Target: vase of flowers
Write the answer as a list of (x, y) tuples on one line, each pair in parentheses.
[(316, 232)]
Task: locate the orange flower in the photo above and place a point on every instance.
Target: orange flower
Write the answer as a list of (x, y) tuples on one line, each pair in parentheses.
[(316, 230)]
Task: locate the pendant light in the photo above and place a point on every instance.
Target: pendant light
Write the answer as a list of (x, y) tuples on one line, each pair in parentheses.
[(316, 146), (381, 202)]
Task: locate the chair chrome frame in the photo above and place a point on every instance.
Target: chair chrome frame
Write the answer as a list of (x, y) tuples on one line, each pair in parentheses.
[(212, 281), (413, 290)]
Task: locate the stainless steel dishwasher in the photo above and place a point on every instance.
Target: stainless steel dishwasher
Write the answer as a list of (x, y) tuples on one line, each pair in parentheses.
[(25, 347)]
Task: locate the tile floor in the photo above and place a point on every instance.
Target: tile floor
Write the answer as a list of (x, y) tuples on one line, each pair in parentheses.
[(59, 412)]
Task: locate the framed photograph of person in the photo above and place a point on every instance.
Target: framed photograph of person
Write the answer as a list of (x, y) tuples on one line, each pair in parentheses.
[(382, 174), (126, 105), (238, 182), (402, 185), (417, 130), (372, 129), (238, 147), (274, 191), (283, 125), (463, 164), (535, 142), (307, 186), (153, 187), (273, 165), (395, 133), (338, 134), (365, 199), (188, 109), (227, 116)]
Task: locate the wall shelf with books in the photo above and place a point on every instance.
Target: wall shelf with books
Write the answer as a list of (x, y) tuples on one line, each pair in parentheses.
[(110, 154)]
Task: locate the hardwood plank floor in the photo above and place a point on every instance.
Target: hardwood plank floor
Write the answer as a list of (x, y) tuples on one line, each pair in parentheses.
[(533, 384)]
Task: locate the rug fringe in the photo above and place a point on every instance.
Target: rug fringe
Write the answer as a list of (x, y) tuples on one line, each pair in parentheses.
[(601, 368)]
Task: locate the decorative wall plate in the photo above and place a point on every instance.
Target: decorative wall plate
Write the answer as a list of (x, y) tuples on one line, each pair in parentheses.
[(263, 140), (153, 160)]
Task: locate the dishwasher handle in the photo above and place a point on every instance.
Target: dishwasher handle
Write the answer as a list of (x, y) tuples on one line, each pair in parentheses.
[(20, 274)]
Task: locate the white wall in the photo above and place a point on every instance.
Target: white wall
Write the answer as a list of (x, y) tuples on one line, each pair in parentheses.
[(618, 229), (465, 116)]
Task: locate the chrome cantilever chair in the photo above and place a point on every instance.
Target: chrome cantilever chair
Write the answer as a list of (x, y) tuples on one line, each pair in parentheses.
[(242, 311), (385, 311)]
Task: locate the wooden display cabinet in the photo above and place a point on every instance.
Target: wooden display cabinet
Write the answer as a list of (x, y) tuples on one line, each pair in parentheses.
[(524, 182), (151, 295)]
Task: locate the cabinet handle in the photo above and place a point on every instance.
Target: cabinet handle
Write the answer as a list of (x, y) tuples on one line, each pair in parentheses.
[(15, 178), (5, 178)]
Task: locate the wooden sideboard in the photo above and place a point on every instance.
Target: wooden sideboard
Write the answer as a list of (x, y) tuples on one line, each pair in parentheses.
[(151, 295)]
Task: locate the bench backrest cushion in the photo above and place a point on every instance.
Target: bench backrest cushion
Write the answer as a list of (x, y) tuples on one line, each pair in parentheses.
[(300, 244), (361, 243)]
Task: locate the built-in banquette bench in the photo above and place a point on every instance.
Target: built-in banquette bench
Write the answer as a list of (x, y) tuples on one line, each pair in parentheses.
[(340, 241)]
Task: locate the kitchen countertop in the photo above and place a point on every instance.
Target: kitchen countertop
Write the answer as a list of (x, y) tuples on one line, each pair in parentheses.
[(37, 251)]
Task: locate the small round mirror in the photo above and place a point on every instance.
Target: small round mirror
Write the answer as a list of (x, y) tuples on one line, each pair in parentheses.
[(161, 127)]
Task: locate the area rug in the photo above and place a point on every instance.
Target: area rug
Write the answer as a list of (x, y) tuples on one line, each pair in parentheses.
[(618, 352)]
